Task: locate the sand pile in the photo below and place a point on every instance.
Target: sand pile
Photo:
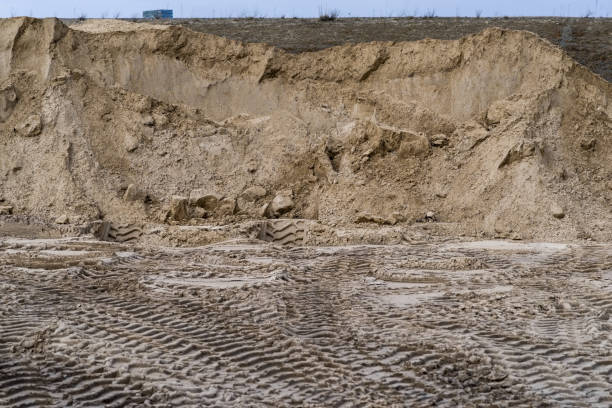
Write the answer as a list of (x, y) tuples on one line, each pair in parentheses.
[(498, 134)]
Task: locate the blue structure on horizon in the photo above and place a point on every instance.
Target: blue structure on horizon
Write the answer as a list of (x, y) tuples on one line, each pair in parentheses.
[(157, 14)]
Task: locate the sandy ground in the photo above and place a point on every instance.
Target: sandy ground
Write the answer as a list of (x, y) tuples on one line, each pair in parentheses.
[(187, 220), (489, 323)]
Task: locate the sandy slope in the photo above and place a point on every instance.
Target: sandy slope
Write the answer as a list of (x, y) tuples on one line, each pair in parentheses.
[(496, 132)]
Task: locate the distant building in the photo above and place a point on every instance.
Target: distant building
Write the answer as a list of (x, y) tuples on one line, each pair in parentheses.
[(157, 14)]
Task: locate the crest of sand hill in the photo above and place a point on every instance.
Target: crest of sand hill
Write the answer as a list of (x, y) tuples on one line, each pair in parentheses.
[(499, 133)]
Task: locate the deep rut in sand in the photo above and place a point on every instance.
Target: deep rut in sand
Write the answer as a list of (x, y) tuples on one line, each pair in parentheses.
[(87, 323)]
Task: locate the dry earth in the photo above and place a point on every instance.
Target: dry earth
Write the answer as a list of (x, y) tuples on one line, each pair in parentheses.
[(498, 133), (490, 323), (188, 220), (587, 40)]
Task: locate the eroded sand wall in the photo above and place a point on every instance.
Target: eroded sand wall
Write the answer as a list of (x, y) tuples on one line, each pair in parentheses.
[(495, 132)]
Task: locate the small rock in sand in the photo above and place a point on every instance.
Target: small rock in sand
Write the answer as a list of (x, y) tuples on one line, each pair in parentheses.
[(438, 140), (282, 203), (31, 127), (6, 210), (588, 143), (197, 212), (441, 192), (178, 208), (227, 206), (133, 193), (148, 120), (414, 145), (204, 199), (557, 211), (130, 142), (254, 193), (261, 212), (62, 219)]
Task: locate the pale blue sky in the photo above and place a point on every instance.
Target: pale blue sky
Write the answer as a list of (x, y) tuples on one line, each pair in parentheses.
[(277, 8)]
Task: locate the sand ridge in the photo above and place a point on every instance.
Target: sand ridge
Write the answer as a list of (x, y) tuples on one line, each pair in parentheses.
[(109, 25)]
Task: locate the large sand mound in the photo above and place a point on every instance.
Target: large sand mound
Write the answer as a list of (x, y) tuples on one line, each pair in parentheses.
[(501, 133)]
